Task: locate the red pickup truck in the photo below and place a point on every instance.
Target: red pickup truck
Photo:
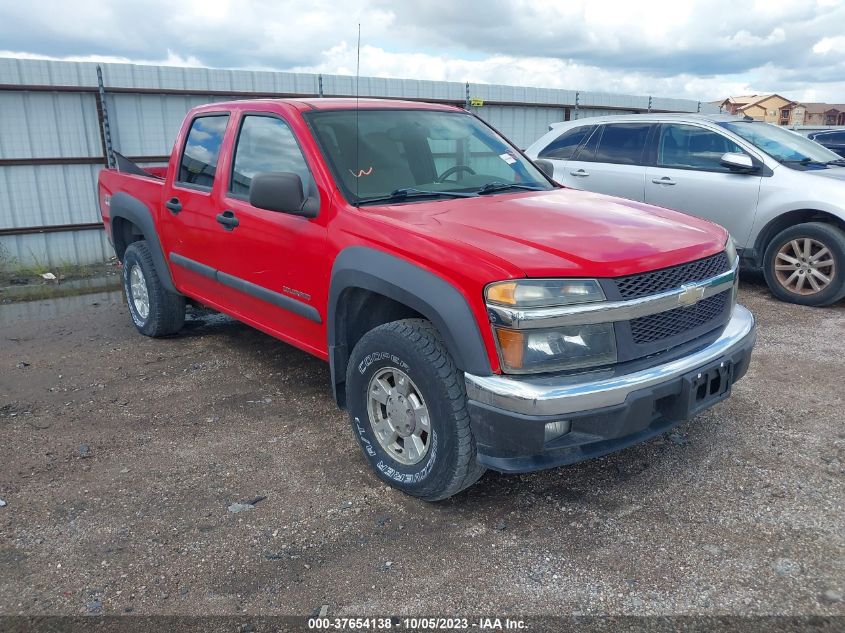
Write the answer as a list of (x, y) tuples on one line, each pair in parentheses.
[(475, 314)]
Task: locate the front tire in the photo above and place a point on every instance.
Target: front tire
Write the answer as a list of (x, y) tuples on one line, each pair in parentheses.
[(407, 405), (155, 311), (805, 264)]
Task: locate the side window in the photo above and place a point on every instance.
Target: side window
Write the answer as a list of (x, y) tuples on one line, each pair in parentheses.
[(692, 147), (199, 158), (266, 144), (587, 151), (622, 143), (564, 146)]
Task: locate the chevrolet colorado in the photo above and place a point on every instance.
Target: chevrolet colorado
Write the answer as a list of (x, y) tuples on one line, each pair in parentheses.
[(475, 314)]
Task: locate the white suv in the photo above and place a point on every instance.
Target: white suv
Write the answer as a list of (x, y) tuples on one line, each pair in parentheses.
[(781, 196)]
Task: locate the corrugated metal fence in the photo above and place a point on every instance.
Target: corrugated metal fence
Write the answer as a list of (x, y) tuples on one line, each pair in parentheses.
[(52, 143)]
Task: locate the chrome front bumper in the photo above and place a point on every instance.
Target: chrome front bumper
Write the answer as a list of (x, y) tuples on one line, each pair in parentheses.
[(551, 395)]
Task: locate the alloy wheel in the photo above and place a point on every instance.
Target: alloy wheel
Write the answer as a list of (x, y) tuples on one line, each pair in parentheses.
[(804, 266), (399, 416), (138, 289)]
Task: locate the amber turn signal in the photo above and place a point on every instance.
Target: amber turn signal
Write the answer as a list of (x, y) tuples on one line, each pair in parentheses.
[(503, 293), (512, 346)]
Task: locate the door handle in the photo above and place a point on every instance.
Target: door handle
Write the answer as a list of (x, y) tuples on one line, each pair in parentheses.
[(227, 220), (663, 181), (580, 173), (174, 205)]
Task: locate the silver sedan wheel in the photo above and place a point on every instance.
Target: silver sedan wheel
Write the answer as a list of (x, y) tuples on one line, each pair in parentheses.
[(140, 297), (804, 266), (399, 416)]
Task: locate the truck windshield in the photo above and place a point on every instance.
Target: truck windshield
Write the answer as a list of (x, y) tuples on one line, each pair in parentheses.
[(781, 144), (383, 155)]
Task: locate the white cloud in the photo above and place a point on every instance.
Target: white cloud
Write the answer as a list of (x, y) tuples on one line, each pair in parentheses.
[(171, 59), (556, 73), (702, 49), (830, 45)]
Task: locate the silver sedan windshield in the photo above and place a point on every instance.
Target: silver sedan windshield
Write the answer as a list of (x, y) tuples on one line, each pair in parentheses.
[(781, 144)]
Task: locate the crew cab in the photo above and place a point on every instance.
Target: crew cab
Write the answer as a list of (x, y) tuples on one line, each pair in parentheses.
[(475, 314)]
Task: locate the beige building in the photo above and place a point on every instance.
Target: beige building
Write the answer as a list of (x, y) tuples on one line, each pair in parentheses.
[(769, 108), (779, 110), (818, 114)]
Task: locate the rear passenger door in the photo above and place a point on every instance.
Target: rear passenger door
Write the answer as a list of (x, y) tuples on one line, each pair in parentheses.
[(688, 176), (611, 161), (187, 220)]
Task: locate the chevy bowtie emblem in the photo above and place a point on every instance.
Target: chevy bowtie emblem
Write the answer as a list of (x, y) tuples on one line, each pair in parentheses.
[(690, 295)]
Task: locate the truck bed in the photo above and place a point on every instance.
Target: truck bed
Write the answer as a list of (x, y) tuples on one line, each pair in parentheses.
[(147, 188)]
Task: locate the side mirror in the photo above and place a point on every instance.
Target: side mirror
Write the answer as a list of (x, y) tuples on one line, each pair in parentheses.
[(546, 167), (736, 161), (281, 191)]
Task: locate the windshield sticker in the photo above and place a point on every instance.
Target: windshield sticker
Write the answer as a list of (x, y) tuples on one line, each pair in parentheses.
[(362, 172), (510, 160)]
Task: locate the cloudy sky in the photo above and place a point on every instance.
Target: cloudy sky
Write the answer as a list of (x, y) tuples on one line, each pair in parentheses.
[(700, 50)]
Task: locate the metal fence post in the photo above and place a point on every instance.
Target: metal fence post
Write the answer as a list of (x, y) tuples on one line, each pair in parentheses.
[(577, 99), (106, 127)]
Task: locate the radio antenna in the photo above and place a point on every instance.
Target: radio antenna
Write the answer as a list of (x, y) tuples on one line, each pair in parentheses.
[(357, 96)]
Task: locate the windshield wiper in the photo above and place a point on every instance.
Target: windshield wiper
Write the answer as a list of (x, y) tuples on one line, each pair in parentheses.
[(492, 187), (839, 162), (398, 195), (804, 161)]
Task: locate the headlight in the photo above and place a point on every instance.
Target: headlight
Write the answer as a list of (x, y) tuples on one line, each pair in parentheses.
[(536, 293), (537, 350), (571, 347)]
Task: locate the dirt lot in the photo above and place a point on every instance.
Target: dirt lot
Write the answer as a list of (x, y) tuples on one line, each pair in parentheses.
[(120, 456)]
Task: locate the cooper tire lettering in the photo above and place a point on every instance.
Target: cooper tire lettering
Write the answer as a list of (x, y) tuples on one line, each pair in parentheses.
[(411, 347), (377, 356)]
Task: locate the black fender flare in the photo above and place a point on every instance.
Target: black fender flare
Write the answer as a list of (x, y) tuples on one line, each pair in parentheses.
[(133, 210), (432, 296)]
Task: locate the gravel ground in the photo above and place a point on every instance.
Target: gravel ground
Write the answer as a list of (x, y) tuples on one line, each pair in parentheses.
[(121, 458)]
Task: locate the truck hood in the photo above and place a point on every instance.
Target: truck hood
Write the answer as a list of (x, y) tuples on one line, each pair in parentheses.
[(564, 232)]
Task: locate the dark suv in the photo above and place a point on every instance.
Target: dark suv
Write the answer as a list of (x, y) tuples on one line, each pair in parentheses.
[(831, 139)]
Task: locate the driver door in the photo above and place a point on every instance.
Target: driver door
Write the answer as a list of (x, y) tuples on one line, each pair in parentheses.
[(687, 176), (272, 265)]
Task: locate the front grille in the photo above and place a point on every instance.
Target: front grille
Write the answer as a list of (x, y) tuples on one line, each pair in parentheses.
[(663, 325), (668, 278)]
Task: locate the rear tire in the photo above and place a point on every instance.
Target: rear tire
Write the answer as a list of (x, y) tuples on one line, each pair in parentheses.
[(155, 311), (805, 264), (407, 404)]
